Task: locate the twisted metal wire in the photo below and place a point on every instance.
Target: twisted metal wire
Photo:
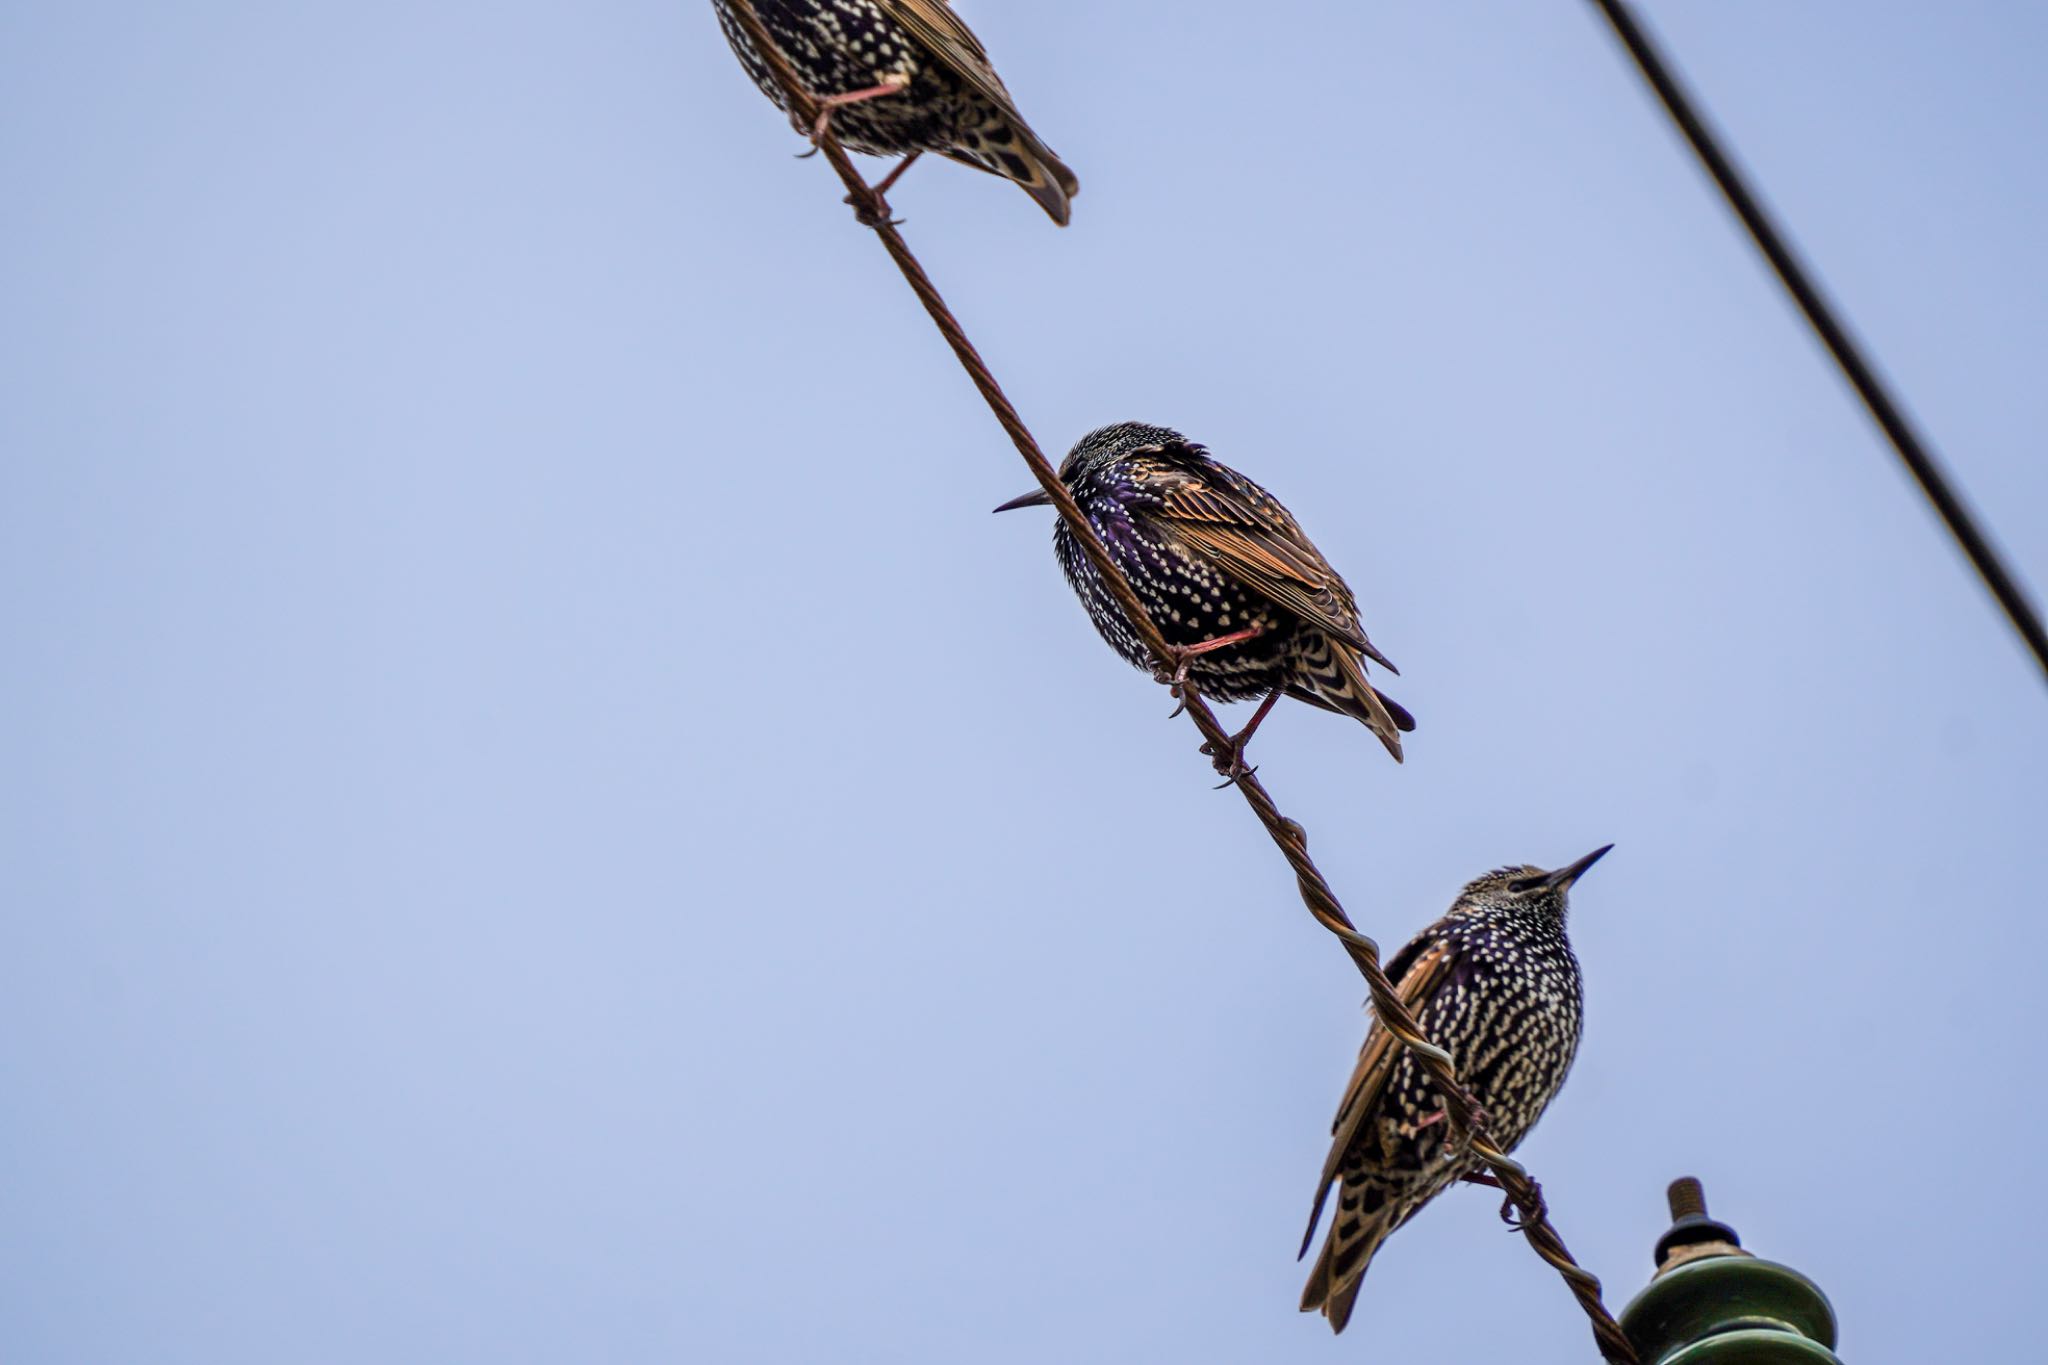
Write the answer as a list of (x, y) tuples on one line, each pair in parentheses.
[(1291, 839), (1918, 457)]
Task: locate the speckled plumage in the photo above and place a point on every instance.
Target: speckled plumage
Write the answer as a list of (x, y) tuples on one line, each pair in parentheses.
[(954, 104), (1210, 553), (1494, 983)]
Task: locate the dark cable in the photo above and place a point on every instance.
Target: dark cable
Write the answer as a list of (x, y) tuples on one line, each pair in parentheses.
[(1918, 457)]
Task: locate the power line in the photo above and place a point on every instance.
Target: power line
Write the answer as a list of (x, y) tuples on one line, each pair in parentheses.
[(1291, 839), (1918, 457)]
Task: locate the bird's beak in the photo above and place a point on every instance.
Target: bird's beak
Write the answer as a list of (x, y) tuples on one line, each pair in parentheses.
[(1037, 497), (1562, 879)]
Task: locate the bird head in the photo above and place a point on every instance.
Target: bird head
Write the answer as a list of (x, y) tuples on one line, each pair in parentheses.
[(1100, 450), (1528, 889)]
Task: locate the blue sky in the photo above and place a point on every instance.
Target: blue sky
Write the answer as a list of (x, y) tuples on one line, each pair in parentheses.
[(544, 820)]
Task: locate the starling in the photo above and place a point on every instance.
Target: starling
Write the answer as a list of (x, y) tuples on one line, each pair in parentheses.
[(1249, 606), (901, 78), (1495, 984)]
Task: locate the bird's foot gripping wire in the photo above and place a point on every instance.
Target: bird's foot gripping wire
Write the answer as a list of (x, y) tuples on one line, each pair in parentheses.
[(870, 209), (871, 205), (1229, 760), (1232, 776), (1510, 1212)]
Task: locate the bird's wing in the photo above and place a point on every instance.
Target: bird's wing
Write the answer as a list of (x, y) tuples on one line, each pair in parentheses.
[(1030, 162), (947, 37), (1257, 541), (1417, 970)]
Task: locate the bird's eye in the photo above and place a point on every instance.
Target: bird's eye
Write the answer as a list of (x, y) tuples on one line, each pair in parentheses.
[(1523, 885)]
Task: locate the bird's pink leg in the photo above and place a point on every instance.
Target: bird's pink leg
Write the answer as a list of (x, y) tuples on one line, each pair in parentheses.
[(892, 177), (1180, 655), (868, 205), (894, 85), (1444, 1116), (871, 206), (1230, 761)]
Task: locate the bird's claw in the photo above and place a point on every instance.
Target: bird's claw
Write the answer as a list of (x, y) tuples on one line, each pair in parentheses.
[(1234, 776), (821, 126), (1518, 1221), (1228, 761), (1173, 670), (1510, 1212), (870, 209)]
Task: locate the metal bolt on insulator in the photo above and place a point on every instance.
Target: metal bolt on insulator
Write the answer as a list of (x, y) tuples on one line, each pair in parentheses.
[(1712, 1303)]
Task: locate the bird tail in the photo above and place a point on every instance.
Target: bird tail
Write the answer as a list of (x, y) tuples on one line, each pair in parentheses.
[(1340, 685), (1023, 158), (1340, 1268), (1054, 187)]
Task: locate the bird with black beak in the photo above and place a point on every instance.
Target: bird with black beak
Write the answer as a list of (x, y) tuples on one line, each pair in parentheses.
[(1495, 984)]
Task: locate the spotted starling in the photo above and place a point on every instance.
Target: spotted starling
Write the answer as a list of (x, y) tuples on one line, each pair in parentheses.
[(1495, 984), (1249, 606), (901, 78)]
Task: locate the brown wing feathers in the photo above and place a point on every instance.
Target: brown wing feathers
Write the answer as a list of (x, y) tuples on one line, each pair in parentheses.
[(1363, 1217), (1044, 176), (1426, 964), (1256, 540)]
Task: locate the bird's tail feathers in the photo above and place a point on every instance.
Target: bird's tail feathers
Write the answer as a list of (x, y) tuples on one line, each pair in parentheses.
[(1031, 164), (1340, 1268), (1403, 722), (1341, 679), (1054, 195)]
